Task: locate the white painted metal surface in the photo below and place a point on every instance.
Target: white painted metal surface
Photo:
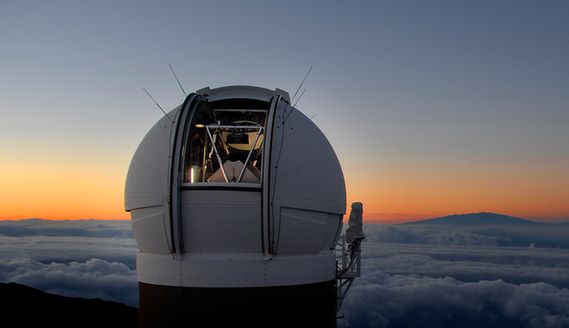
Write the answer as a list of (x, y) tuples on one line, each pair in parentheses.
[(281, 231), (146, 190), (242, 91), (147, 179), (355, 229), (221, 221), (234, 270), (307, 185)]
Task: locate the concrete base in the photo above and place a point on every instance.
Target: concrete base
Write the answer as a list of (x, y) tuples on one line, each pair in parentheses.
[(311, 305)]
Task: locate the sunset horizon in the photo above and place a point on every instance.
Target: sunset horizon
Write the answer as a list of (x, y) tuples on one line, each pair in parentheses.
[(385, 218), (379, 164)]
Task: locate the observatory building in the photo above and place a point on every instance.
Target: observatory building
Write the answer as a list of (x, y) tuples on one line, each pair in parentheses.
[(237, 200)]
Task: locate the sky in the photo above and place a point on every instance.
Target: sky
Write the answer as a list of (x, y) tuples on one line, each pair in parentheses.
[(432, 107)]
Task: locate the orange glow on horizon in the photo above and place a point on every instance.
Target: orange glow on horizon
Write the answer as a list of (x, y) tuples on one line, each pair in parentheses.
[(61, 189), (407, 192), (92, 186)]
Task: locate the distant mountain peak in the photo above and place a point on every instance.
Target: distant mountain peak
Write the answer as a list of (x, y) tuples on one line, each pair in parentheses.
[(486, 218)]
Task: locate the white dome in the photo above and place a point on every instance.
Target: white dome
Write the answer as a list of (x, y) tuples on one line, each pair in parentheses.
[(235, 187)]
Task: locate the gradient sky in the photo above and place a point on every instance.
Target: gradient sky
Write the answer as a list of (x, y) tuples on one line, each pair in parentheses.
[(433, 107)]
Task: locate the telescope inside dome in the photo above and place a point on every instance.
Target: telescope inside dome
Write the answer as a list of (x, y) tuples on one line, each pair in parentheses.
[(225, 142)]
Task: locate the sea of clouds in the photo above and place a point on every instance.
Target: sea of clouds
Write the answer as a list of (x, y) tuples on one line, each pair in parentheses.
[(452, 276), (88, 258), (412, 275)]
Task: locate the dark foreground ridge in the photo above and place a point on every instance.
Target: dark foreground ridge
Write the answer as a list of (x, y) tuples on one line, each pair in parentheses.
[(477, 219), (23, 306)]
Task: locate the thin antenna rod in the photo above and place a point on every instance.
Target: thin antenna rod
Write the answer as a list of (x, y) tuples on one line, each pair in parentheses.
[(171, 120), (178, 80), (301, 83), (299, 98)]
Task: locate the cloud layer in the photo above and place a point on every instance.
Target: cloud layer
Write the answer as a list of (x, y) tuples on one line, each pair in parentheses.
[(381, 300), (68, 228), (412, 276), (86, 258), (547, 235), (67, 249), (419, 276), (470, 264)]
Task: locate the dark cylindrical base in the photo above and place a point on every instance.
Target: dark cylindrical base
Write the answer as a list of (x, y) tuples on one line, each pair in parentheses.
[(311, 305)]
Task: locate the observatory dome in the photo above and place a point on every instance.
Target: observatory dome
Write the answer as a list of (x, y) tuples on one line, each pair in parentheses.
[(235, 188)]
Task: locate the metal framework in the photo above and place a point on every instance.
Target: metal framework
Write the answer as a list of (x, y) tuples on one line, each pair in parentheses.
[(233, 127), (348, 266)]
